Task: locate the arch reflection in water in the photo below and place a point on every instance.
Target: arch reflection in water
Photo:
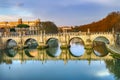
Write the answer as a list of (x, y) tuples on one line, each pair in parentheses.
[(100, 48), (31, 43), (10, 52), (76, 47), (31, 52), (11, 43), (53, 51)]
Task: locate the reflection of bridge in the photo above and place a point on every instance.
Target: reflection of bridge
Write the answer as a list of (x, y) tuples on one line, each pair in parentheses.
[(65, 56), (63, 38)]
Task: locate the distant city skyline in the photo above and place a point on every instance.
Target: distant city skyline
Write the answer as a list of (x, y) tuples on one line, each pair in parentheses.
[(61, 12)]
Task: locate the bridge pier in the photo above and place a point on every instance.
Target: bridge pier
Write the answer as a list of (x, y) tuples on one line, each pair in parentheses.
[(42, 45), (63, 46), (88, 43), (64, 40)]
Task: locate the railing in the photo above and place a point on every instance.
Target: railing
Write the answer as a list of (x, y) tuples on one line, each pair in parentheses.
[(31, 33)]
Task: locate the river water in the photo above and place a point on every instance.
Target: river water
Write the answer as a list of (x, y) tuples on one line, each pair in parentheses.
[(14, 67)]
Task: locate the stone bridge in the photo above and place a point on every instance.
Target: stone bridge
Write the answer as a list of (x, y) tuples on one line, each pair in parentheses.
[(63, 38)]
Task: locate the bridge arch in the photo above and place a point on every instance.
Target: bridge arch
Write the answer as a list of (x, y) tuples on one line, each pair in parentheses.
[(102, 39), (54, 42), (29, 39), (76, 38), (76, 46), (99, 46), (30, 42), (14, 44), (50, 39)]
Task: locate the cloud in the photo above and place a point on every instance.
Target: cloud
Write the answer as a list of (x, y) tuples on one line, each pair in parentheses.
[(62, 12), (10, 3), (103, 73), (11, 10), (113, 3), (9, 18), (15, 11), (4, 3), (19, 4), (14, 18)]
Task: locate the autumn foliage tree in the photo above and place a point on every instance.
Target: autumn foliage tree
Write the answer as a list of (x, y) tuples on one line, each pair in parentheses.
[(104, 25)]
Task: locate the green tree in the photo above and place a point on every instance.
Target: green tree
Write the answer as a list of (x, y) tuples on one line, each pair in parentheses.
[(12, 30), (23, 26)]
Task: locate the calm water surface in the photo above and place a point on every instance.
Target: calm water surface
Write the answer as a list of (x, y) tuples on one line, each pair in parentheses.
[(51, 69), (55, 70)]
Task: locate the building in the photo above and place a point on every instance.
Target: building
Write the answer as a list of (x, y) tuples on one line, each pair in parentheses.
[(7, 26), (65, 28), (13, 24)]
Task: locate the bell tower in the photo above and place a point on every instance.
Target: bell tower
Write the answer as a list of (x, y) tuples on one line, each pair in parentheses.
[(37, 22), (20, 21)]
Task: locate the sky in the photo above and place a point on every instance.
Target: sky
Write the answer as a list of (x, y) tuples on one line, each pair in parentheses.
[(61, 12)]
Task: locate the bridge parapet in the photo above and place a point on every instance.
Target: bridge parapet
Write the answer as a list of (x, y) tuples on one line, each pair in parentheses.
[(96, 33)]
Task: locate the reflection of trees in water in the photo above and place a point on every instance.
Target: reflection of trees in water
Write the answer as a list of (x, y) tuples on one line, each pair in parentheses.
[(1, 56), (118, 39), (100, 48), (7, 61), (114, 67), (10, 52), (53, 52)]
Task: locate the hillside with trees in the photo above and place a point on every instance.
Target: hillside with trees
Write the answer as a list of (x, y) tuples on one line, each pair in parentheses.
[(104, 25)]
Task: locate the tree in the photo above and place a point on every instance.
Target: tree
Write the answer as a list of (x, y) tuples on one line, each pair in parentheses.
[(49, 27), (104, 25), (114, 67), (12, 30), (23, 26)]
